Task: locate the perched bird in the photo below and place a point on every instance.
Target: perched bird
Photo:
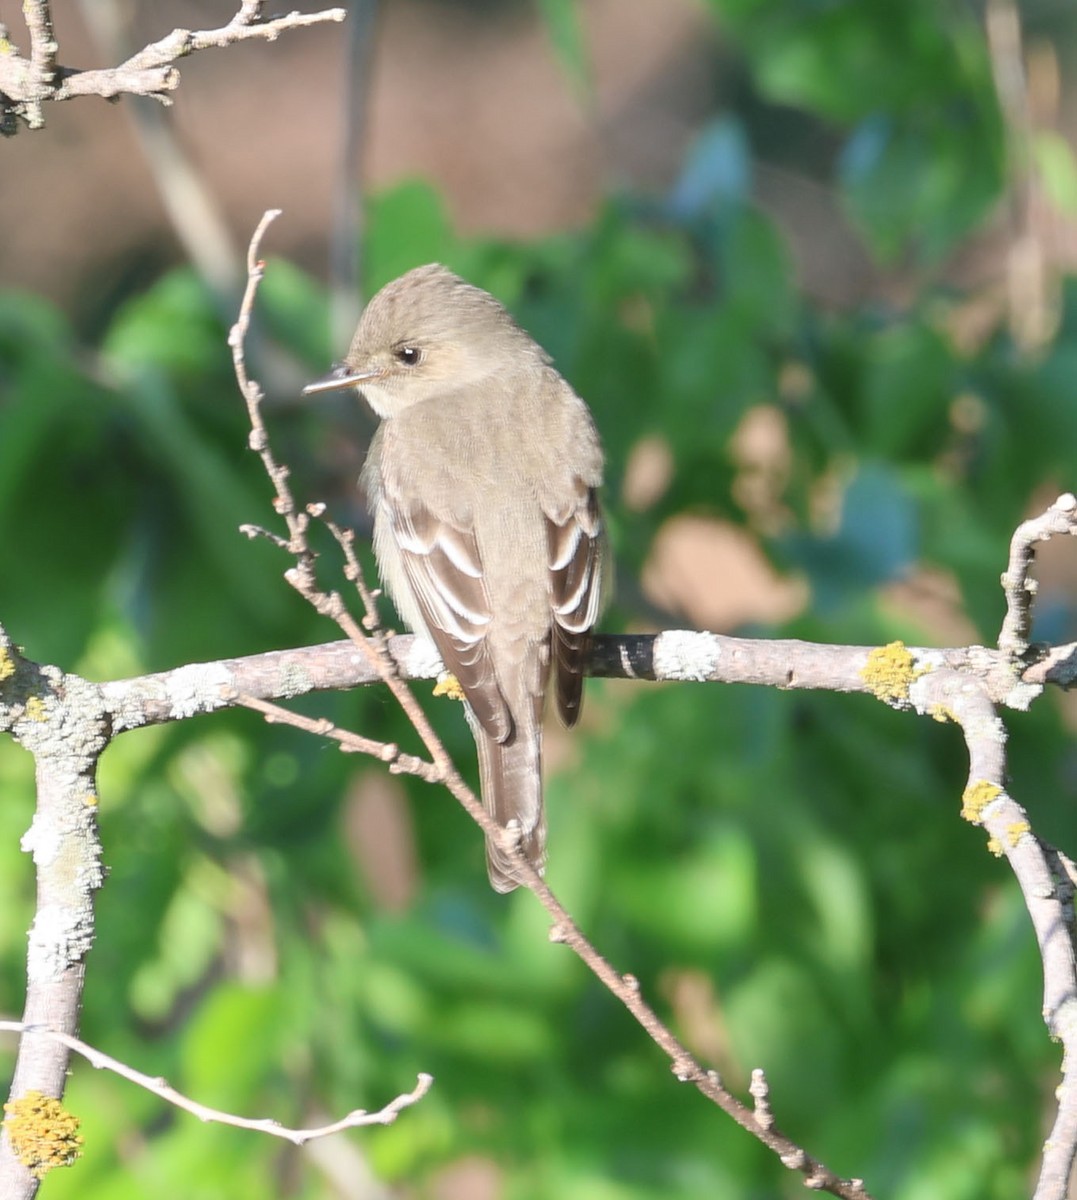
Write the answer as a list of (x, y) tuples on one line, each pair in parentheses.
[(482, 478)]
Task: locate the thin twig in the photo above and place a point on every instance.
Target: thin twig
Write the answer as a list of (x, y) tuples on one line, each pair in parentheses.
[(564, 929), (386, 752), (161, 1087), (1017, 583), (25, 83)]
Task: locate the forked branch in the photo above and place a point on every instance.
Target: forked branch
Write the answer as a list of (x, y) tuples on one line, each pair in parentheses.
[(28, 82)]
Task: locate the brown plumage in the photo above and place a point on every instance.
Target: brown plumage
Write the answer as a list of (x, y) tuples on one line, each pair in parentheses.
[(483, 479)]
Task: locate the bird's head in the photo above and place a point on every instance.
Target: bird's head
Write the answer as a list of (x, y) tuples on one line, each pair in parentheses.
[(427, 333)]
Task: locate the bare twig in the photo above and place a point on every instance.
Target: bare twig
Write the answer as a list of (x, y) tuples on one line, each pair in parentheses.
[(160, 1087), (686, 1068), (26, 83), (386, 752), (1017, 583), (564, 929), (303, 575)]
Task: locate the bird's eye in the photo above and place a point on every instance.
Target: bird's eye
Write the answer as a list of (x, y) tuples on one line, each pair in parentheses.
[(408, 356)]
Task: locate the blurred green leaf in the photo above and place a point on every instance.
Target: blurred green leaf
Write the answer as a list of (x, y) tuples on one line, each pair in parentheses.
[(172, 327), (296, 310), (910, 379), (28, 326), (918, 185), (232, 1044), (876, 540), (407, 227)]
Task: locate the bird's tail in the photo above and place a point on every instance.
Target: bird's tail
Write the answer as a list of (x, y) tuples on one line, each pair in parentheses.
[(510, 774)]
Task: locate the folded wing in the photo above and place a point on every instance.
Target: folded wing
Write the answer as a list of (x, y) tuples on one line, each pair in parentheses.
[(442, 563), (574, 537)]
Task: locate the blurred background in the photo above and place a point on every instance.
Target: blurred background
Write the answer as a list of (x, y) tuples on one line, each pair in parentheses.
[(809, 264)]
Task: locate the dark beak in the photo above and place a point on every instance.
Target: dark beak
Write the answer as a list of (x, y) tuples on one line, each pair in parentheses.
[(339, 378)]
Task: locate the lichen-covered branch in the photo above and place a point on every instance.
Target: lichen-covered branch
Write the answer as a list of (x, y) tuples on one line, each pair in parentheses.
[(674, 656), (61, 721), (1046, 881)]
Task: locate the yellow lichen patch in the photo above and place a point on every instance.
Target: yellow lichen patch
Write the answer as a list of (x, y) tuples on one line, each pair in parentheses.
[(994, 847), (1016, 831), (35, 709), (90, 800), (449, 685), (42, 1133), (942, 713), (977, 796), (889, 671), (7, 663)]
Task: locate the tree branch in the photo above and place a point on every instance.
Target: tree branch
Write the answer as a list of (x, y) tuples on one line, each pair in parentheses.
[(60, 720), (1046, 879), (27, 83), (160, 1087), (1017, 582), (676, 655)]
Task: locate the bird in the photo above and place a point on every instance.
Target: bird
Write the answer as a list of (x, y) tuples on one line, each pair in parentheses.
[(483, 479)]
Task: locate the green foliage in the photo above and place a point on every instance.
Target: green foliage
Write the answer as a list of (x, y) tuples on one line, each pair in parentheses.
[(786, 874), (910, 83)]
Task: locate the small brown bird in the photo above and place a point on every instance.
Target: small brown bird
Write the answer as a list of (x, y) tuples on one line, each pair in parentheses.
[(483, 479)]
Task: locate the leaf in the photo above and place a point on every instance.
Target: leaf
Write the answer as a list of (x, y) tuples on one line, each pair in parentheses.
[(909, 379), (918, 184), (173, 326), (295, 308), (406, 227), (877, 540)]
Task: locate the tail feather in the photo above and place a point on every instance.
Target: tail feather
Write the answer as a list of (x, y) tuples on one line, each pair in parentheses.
[(510, 774)]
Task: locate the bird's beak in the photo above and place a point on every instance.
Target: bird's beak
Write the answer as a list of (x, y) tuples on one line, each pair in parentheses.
[(339, 378)]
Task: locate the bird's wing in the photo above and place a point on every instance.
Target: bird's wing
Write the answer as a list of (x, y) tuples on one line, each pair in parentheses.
[(443, 567), (574, 536)]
